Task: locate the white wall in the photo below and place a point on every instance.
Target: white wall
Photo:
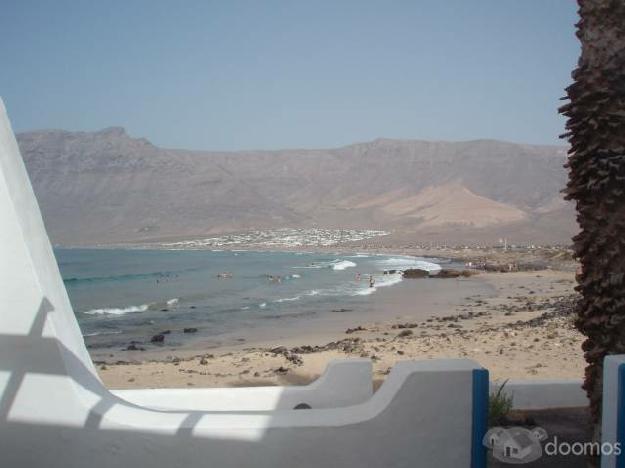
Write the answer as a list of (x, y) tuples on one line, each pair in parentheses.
[(29, 274), (345, 382)]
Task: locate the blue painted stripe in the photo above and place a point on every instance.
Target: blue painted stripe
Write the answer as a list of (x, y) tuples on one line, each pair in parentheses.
[(479, 418), (620, 414)]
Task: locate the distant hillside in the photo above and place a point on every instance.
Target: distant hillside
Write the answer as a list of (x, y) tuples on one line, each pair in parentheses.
[(106, 187)]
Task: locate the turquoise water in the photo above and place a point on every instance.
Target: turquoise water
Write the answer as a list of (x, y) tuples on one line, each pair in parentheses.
[(124, 295)]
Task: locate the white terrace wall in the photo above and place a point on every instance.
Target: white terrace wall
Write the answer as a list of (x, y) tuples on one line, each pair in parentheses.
[(29, 275), (345, 382)]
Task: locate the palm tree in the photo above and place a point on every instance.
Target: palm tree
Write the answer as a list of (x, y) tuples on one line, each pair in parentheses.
[(596, 132)]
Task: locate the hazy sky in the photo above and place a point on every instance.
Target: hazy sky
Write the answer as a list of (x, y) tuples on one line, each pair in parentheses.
[(275, 74)]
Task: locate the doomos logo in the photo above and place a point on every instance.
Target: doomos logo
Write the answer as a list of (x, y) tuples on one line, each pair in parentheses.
[(515, 445), (518, 445)]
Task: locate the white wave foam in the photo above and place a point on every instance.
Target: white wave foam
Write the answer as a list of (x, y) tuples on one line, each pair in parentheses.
[(288, 299), (342, 264), (262, 305), (295, 275), (116, 332), (114, 311), (397, 263), (336, 264), (380, 282), (388, 280), (173, 301), (364, 291)]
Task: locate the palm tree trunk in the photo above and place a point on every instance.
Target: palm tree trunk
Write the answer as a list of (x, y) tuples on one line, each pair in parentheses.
[(596, 132)]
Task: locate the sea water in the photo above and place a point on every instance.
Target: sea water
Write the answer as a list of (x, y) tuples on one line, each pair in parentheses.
[(123, 295)]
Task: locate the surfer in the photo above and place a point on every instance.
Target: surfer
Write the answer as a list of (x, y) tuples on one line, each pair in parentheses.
[(371, 281)]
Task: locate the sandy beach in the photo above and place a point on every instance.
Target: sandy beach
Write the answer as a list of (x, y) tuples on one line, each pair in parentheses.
[(517, 324)]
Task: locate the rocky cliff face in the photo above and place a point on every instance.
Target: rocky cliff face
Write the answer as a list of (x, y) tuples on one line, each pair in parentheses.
[(106, 187)]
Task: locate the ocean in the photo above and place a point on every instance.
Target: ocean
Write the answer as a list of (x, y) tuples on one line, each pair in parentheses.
[(120, 296)]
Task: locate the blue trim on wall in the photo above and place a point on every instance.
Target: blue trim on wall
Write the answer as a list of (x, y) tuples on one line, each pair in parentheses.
[(620, 414), (479, 418)]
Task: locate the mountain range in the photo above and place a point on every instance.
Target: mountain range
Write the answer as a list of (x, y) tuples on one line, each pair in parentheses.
[(106, 187)]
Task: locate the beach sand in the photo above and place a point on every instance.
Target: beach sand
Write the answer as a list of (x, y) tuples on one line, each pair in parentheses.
[(517, 325)]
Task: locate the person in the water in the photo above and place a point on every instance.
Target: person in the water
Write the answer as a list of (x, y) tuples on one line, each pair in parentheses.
[(275, 278)]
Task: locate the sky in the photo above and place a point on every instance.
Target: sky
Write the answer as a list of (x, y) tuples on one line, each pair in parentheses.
[(231, 75)]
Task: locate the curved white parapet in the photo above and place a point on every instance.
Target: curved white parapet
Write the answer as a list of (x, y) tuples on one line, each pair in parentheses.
[(423, 415), (543, 393), (56, 413), (345, 382)]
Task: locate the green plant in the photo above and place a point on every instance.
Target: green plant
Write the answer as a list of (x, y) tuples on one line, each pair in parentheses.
[(499, 406)]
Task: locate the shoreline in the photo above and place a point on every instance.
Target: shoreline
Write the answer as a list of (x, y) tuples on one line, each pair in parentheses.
[(518, 326), (324, 320), (409, 300)]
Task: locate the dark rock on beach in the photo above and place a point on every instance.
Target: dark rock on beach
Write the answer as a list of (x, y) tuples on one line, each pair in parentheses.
[(447, 273), (292, 356), (160, 338), (347, 345), (204, 359), (294, 359), (133, 347), (416, 273), (405, 325)]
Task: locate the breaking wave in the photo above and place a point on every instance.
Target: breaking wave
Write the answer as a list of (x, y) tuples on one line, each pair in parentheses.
[(336, 264), (381, 281), (116, 332), (288, 299), (342, 265), (120, 311), (399, 263)]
